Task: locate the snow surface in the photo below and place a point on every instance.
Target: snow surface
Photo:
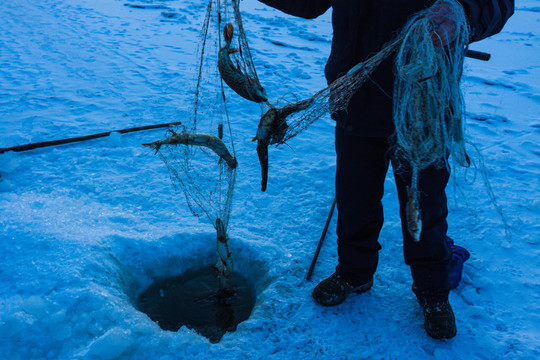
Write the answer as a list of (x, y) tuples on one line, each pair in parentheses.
[(87, 227)]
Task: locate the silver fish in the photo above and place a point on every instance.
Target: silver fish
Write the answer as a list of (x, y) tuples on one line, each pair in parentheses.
[(412, 213), (243, 84), (199, 139)]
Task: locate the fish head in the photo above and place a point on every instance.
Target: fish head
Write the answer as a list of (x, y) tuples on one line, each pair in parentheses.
[(259, 93), (228, 32), (221, 231)]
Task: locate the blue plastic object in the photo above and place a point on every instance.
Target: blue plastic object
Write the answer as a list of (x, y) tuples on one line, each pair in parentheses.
[(459, 256)]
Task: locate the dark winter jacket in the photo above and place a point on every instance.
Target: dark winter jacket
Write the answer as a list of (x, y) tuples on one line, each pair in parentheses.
[(361, 28)]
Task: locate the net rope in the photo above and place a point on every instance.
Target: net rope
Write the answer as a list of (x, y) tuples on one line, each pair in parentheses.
[(417, 56), (336, 96), (428, 103), (207, 181)]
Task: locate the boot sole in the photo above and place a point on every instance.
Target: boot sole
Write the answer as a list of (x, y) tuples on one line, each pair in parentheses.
[(363, 288)]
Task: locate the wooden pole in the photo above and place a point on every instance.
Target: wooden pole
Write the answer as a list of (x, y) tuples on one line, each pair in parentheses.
[(43, 144)]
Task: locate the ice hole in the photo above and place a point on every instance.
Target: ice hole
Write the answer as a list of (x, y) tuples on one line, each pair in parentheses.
[(196, 300)]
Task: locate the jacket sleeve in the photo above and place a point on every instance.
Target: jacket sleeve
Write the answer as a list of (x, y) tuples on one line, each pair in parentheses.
[(487, 17), (307, 9)]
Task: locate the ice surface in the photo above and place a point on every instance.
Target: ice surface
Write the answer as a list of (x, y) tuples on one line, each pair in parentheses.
[(85, 228)]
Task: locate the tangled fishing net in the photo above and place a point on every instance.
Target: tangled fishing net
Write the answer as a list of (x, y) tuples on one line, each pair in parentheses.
[(206, 180), (427, 100), (428, 104), (335, 97)]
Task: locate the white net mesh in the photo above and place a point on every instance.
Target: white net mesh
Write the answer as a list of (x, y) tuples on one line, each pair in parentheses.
[(428, 104), (206, 180)]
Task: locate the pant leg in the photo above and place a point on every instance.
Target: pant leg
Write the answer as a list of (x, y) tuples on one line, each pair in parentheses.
[(361, 169), (429, 258)]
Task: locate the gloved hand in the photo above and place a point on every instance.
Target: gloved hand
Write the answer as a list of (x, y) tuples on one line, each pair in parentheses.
[(443, 18)]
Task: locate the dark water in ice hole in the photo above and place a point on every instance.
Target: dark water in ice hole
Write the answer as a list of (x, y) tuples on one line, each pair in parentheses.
[(194, 299)]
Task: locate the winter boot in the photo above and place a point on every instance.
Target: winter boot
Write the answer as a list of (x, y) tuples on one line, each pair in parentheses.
[(335, 289), (439, 320)]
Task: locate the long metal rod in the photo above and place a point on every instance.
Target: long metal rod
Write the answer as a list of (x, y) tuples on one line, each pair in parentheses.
[(38, 145), (323, 235)]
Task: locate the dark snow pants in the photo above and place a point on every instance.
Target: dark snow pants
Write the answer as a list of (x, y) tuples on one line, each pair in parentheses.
[(362, 164)]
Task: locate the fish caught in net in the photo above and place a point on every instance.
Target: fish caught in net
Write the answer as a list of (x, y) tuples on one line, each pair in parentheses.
[(235, 75), (235, 64), (200, 154), (279, 125), (428, 105)]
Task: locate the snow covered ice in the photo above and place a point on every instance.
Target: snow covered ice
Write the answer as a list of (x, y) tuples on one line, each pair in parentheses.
[(85, 228)]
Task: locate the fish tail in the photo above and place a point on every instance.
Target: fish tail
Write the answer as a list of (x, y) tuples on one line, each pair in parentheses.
[(153, 146)]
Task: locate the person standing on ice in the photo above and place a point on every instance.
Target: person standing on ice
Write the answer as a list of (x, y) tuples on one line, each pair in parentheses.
[(360, 28)]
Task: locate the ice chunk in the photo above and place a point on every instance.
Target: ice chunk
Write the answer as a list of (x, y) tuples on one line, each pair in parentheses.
[(35, 305), (9, 161), (115, 139), (111, 344)]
